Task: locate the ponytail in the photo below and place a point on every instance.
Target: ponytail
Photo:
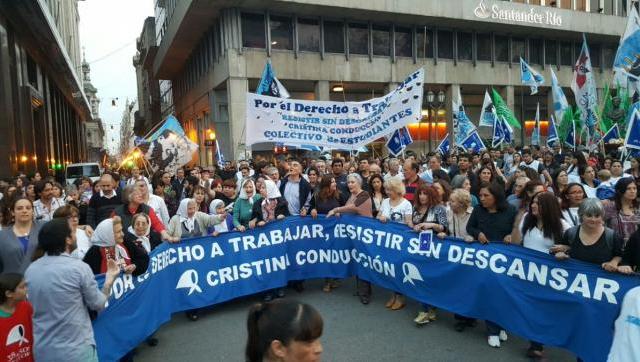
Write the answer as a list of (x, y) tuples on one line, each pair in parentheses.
[(254, 351)]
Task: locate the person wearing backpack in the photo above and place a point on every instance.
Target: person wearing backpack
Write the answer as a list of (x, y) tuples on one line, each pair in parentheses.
[(591, 241)]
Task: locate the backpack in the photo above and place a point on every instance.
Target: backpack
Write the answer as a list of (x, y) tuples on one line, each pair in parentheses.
[(572, 235)]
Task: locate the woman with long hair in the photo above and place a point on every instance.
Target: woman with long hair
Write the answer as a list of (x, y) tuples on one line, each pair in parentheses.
[(326, 198), (20, 240), (578, 164), (541, 228), (517, 159), (560, 182), (570, 200), (201, 197), (634, 170), (492, 220), (377, 192), (589, 181), (622, 214), (428, 214)]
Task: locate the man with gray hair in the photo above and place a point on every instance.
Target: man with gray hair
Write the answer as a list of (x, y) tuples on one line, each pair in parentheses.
[(101, 204), (394, 170), (515, 199)]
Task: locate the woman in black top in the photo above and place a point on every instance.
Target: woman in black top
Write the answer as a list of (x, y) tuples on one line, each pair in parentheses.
[(591, 241), (376, 189), (492, 220), (631, 255), (326, 198)]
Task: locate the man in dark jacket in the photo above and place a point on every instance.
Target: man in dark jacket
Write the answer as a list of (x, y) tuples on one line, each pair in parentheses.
[(101, 204)]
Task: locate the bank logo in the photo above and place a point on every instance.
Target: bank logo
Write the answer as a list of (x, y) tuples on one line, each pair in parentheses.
[(189, 279), (411, 273), (481, 11), (17, 335)]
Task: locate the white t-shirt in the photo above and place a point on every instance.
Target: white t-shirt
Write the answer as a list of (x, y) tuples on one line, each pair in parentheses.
[(570, 215), (160, 207), (83, 243), (396, 213), (625, 346), (590, 191), (535, 239)]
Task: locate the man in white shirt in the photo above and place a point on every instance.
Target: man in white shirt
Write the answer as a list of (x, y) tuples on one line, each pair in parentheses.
[(46, 205), (394, 170)]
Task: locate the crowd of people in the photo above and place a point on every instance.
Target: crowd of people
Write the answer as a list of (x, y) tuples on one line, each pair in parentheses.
[(576, 205)]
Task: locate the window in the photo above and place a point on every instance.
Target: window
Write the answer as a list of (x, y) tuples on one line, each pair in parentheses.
[(465, 46), (404, 47), (517, 48), (594, 51), (358, 39), (281, 32), (424, 39), (309, 35), (445, 44), (381, 37), (535, 51), (502, 48), (551, 52), (484, 46), (566, 58), (608, 54), (253, 31), (333, 37)]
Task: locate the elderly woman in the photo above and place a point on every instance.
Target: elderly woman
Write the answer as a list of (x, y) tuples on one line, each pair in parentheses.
[(134, 204), (622, 214), (463, 182), (243, 206), (591, 241), (108, 243), (359, 203), (188, 222), (492, 221), (140, 233), (217, 207)]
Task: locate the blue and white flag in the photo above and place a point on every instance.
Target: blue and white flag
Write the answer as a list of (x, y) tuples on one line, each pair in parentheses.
[(219, 155), (488, 115), (571, 136), (462, 125), (445, 146), (474, 142), (399, 140), (535, 135), (632, 139), (560, 103), (552, 135), (507, 130), (498, 134), (530, 77), (612, 133), (584, 89), (627, 61), (270, 85), (168, 148)]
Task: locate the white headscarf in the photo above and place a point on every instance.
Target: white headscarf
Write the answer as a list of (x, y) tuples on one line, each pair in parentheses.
[(189, 222), (103, 234), (272, 189), (214, 205), (243, 193), (144, 239)]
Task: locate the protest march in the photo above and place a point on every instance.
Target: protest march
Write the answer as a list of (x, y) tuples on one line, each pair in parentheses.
[(528, 233)]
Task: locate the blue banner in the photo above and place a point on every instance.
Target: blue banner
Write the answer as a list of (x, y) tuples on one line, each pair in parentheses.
[(567, 304)]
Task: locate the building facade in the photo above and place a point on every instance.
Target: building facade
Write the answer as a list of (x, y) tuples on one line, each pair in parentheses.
[(42, 100), (126, 128), (210, 53), (148, 113), (94, 130)]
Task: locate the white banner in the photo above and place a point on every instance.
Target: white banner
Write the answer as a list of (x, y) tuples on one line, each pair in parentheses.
[(339, 125)]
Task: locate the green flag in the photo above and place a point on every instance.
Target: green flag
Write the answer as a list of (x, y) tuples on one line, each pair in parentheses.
[(503, 111), (605, 122)]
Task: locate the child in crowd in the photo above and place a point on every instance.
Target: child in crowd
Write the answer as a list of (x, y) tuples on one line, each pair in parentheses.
[(16, 328)]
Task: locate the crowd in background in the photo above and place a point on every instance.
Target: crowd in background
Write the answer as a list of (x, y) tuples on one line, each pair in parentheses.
[(571, 204)]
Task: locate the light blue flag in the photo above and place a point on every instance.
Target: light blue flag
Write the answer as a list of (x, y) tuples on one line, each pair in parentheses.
[(571, 136), (627, 60), (535, 135), (612, 133), (462, 125), (445, 145), (270, 85), (530, 77), (632, 139), (474, 142), (552, 136), (560, 103), (488, 115), (170, 124)]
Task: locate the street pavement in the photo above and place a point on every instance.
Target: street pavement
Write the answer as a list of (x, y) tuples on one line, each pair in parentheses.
[(352, 332)]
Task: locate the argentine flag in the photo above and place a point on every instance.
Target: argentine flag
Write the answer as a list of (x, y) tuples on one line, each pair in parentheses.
[(530, 77)]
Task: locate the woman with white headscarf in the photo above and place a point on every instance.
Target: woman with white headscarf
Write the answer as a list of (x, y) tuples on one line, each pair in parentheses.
[(188, 222), (140, 233), (108, 243), (272, 207), (243, 207), (217, 207)]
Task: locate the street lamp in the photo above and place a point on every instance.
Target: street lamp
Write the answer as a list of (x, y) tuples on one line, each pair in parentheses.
[(434, 101)]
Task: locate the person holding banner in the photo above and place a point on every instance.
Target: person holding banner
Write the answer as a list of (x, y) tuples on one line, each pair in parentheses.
[(428, 214), (217, 207), (376, 189), (359, 203), (188, 222), (492, 221), (134, 204), (243, 206), (283, 330), (591, 241)]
